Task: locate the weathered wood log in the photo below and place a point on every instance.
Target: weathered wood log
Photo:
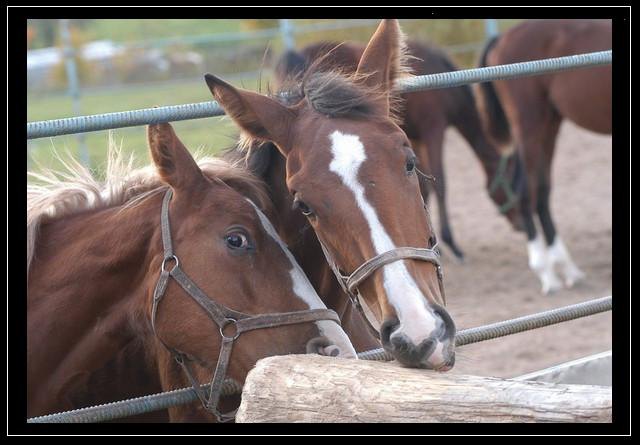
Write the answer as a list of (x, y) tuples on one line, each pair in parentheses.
[(310, 388)]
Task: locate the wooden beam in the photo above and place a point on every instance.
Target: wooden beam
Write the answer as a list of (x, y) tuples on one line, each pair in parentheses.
[(311, 388)]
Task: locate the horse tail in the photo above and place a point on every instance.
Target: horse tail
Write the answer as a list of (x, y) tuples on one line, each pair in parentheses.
[(290, 65), (494, 118)]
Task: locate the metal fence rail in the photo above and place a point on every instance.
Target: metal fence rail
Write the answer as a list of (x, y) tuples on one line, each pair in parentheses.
[(83, 124), (155, 402)]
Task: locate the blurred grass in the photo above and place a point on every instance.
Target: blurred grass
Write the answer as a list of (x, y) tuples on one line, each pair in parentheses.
[(211, 134)]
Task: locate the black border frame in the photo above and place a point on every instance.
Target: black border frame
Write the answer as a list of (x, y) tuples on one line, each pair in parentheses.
[(16, 302)]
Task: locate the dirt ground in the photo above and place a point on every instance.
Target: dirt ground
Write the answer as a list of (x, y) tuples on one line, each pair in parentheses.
[(495, 282)]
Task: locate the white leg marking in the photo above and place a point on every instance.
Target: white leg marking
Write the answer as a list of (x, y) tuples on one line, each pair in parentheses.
[(417, 322), (540, 264), (303, 289), (558, 254)]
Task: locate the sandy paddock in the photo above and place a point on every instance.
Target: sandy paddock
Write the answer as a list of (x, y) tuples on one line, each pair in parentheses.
[(495, 282)]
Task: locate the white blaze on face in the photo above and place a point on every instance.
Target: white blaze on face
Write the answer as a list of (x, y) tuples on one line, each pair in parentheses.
[(303, 289), (417, 321)]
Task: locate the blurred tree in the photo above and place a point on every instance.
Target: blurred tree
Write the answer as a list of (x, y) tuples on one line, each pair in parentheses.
[(46, 31), (254, 24), (87, 72), (31, 33)]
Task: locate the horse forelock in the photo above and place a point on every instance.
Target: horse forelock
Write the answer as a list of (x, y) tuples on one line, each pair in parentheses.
[(333, 88)]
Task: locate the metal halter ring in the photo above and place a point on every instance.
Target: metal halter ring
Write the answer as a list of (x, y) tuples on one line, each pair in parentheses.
[(164, 261), (227, 322)]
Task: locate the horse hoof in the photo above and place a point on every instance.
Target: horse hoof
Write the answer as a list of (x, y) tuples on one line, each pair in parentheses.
[(550, 290), (457, 254), (551, 286), (574, 278)]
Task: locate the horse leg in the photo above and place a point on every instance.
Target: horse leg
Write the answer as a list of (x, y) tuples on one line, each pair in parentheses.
[(557, 252), (432, 138), (536, 247)]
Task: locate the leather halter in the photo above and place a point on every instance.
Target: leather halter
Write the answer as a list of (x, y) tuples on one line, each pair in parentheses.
[(350, 283), (501, 181), (221, 316)]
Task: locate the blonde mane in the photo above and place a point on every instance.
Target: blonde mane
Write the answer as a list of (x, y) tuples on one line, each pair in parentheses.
[(59, 194)]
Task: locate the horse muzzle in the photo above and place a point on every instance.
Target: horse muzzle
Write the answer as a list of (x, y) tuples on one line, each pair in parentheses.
[(437, 351)]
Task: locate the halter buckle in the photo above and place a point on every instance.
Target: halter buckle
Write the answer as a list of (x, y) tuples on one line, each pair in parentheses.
[(227, 322), (169, 258)]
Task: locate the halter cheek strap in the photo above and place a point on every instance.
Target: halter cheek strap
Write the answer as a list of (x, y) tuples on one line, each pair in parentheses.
[(350, 283), (221, 315)]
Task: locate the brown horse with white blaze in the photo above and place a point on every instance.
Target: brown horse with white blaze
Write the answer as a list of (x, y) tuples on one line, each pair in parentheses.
[(342, 175), (161, 279), (426, 115), (529, 111)]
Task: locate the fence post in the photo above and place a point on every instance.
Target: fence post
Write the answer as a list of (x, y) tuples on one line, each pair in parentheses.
[(73, 83), (490, 28), (286, 30)]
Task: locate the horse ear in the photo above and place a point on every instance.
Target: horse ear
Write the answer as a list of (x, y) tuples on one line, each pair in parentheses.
[(261, 117), (175, 164), (382, 61)]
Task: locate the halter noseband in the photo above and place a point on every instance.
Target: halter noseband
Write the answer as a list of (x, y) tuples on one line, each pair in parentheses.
[(220, 315), (350, 283), (501, 181)]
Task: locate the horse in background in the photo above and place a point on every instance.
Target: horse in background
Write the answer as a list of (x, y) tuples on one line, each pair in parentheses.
[(425, 116), (528, 112), (343, 178), (136, 284)]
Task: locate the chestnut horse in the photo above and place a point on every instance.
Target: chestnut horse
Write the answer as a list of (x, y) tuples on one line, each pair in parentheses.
[(136, 282), (343, 177), (425, 117), (529, 111)]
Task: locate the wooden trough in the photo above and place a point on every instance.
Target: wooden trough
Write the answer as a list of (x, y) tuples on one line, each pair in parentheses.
[(308, 388)]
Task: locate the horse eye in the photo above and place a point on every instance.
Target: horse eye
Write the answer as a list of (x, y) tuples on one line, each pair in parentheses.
[(304, 208), (410, 166), (236, 240), (306, 211)]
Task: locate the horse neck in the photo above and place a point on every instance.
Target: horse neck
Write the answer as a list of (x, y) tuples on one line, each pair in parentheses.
[(86, 302)]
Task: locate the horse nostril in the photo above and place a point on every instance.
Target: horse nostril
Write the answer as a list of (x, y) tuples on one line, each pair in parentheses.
[(387, 327), (446, 328), (322, 346), (330, 351), (427, 347), (441, 328)]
